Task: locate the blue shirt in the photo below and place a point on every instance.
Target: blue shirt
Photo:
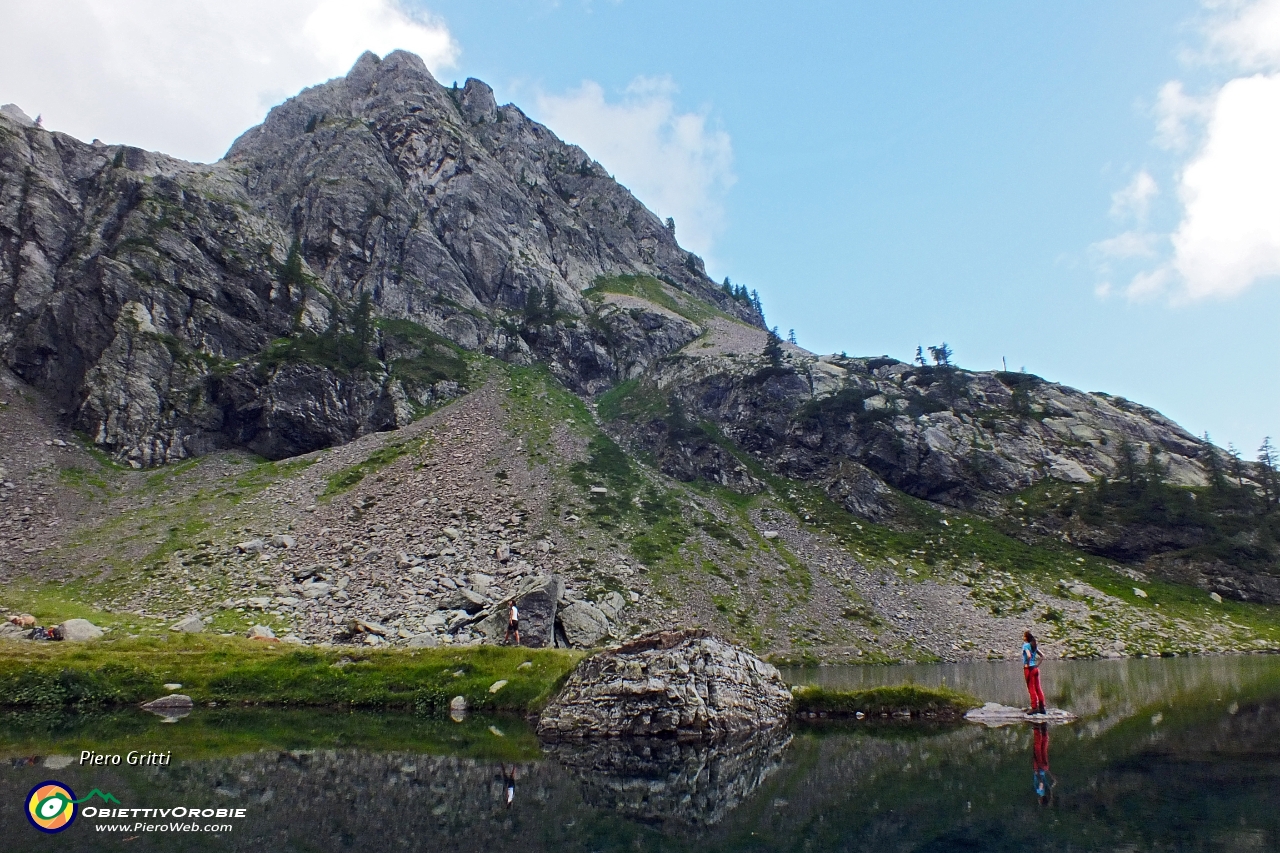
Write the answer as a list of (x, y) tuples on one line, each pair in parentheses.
[(1030, 658)]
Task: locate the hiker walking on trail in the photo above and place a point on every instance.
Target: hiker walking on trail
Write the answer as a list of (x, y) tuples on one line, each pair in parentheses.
[(513, 624), (1031, 672)]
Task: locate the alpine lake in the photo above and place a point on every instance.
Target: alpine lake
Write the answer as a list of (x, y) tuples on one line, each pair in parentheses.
[(1173, 754)]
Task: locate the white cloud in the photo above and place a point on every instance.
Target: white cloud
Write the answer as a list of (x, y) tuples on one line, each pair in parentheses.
[(1128, 244), (1227, 239), (188, 77), (1175, 109), (1134, 201), (676, 163), (1246, 34)]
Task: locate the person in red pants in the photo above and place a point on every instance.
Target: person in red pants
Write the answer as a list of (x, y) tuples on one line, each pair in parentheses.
[(1031, 672)]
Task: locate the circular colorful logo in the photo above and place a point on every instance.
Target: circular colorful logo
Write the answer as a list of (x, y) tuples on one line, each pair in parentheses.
[(51, 806)]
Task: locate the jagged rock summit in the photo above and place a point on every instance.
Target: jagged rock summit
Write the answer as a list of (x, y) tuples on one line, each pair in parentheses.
[(683, 684), (321, 281)]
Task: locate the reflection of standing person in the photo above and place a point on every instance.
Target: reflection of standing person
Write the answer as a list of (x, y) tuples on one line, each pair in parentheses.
[(1031, 672), (509, 784), (1041, 779), (513, 624)]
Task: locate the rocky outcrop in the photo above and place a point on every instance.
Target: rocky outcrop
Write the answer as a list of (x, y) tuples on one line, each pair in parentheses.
[(156, 299), (80, 630), (686, 685), (944, 434)]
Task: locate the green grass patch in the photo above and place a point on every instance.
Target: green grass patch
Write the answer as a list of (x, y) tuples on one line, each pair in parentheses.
[(633, 400), (347, 478), (419, 357), (229, 670), (536, 403), (896, 700), (651, 289)]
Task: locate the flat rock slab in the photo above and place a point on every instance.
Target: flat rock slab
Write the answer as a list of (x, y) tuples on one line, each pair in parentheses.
[(993, 714)]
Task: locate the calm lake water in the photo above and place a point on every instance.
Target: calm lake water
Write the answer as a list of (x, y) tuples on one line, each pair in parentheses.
[(1170, 755)]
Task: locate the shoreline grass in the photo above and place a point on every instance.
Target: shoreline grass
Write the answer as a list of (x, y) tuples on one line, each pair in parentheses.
[(905, 700), (234, 671)]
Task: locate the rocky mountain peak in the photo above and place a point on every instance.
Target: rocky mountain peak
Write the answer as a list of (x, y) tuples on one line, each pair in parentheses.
[(477, 102)]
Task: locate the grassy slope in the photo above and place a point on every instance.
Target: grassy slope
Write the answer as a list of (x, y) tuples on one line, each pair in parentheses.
[(234, 671), (999, 569), (694, 539)]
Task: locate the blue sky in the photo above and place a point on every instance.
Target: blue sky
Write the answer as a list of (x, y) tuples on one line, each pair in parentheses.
[(912, 172), (1087, 189)]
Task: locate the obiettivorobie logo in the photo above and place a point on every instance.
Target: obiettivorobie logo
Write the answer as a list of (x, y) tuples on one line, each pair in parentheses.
[(51, 805)]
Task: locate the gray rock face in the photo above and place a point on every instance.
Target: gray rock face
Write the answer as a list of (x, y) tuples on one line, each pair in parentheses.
[(191, 625), (583, 624), (537, 601), (858, 426), (79, 630), (145, 293), (685, 684)]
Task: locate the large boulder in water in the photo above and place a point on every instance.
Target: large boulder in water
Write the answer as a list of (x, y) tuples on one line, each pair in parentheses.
[(683, 684)]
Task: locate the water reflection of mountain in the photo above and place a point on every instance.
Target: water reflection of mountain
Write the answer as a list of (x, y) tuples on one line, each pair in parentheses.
[(663, 781)]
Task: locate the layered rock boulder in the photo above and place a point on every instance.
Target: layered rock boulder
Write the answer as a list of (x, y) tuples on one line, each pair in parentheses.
[(687, 685)]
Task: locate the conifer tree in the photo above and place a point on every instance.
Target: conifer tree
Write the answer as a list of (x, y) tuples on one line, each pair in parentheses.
[(773, 348)]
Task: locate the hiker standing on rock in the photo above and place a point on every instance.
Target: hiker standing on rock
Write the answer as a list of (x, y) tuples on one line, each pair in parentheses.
[(513, 624), (1031, 672)]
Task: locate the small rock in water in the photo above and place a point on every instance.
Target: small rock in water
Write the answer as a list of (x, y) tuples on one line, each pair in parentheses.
[(173, 700), (458, 708)]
